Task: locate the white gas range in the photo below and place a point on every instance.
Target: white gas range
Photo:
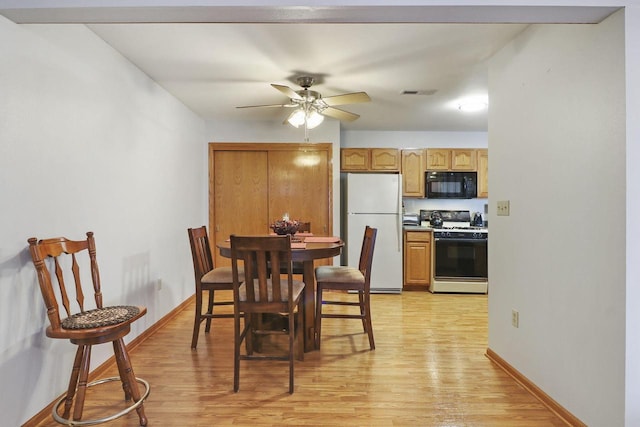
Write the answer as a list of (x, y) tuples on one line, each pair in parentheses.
[(459, 256)]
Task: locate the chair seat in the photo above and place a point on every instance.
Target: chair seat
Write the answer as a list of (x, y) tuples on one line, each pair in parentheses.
[(297, 288), (220, 275), (99, 317), (341, 274)]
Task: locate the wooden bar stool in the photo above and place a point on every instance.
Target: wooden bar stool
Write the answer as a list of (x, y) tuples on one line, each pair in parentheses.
[(344, 278), (256, 292), (85, 327), (208, 279)]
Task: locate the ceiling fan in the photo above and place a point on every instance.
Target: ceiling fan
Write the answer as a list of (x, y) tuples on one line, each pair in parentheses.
[(310, 106)]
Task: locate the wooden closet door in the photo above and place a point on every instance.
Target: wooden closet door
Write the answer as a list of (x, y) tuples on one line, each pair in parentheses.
[(299, 186), (240, 196)]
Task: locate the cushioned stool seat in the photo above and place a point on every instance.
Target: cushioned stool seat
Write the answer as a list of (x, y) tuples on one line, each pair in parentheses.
[(101, 317)]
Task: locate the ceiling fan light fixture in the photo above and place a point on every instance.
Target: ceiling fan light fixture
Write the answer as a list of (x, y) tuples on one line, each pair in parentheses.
[(314, 119), (296, 118), (310, 107)]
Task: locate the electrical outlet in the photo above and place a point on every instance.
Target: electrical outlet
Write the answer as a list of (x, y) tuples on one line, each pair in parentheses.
[(515, 318), (159, 284), (503, 208)]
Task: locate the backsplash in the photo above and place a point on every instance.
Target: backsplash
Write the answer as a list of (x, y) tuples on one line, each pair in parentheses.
[(412, 205)]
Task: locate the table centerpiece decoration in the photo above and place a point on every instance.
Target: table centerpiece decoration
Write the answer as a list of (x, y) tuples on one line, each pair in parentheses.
[(286, 226)]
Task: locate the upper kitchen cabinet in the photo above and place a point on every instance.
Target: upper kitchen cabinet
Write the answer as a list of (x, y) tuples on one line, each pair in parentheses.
[(483, 173), (438, 159), (460, 159), (385, 159), (354, 159), (463, 160), (414, 163), (369, 159)]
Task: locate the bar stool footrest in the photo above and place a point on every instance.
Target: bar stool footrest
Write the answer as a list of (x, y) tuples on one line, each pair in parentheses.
[(125, 411)]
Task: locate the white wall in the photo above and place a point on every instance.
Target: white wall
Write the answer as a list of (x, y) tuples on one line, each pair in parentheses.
[(392, 139), (632, 297), (87, 142), (557, 143)]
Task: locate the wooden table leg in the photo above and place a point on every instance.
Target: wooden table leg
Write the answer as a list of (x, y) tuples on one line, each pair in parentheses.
[(309, 306)]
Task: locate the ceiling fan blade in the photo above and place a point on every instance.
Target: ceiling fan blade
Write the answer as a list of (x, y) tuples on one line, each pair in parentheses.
[(287, 91), (268, 106), (347, 98), (339, 114)]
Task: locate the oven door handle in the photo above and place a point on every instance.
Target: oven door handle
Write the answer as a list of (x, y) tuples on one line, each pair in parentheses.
[(456, 239)]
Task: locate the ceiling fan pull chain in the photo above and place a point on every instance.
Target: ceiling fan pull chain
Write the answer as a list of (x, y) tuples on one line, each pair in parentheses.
[(306, 130)]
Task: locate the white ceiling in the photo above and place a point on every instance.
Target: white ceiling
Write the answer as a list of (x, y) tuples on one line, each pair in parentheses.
[(214, 67)]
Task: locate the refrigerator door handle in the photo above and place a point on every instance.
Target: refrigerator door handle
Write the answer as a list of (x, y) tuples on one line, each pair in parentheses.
[(399, 213)]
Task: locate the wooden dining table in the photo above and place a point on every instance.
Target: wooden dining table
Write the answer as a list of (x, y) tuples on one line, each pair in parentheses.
[(317, 247)]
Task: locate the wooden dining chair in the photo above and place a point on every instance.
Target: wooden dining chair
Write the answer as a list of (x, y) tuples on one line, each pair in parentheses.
[(84, 326), (208, 279), (304, 227), (344, 278), (257, 293), (298, 267)]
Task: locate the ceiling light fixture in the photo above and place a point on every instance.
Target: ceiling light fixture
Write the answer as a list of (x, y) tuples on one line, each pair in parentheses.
[(296, 118), (473, 105), (307, 115), (314, 119), (311, 119), (310, 107)]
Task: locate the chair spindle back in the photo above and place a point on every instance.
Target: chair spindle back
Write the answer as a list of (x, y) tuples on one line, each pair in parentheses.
[(200, 251), (257, 253), (58, 249)]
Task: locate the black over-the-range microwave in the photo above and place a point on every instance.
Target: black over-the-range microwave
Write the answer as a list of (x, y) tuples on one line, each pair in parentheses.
[(451, 185)]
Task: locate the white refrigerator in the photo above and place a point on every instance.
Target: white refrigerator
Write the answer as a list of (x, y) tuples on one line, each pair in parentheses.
[(375, 199)]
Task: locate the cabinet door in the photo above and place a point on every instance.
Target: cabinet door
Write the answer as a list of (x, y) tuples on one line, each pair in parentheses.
[(417, 259), (463, 160), (240, 184), (299, 186), (385, 159), (483, 173), (354, 159), (438, 159), (413, 168)]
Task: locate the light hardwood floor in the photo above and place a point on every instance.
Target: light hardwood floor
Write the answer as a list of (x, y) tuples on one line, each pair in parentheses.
[(429, 369)]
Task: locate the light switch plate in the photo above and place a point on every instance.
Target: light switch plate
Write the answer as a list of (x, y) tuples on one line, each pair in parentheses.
[(503, 208)]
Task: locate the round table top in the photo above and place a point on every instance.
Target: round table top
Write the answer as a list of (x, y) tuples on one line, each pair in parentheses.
[(311, 251)]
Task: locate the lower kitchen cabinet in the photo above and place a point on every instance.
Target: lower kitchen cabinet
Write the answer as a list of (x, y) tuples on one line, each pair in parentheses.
[(417, 260)]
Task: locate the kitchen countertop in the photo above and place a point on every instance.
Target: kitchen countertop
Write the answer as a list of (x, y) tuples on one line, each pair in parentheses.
[(417, 228), (425, 228)]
